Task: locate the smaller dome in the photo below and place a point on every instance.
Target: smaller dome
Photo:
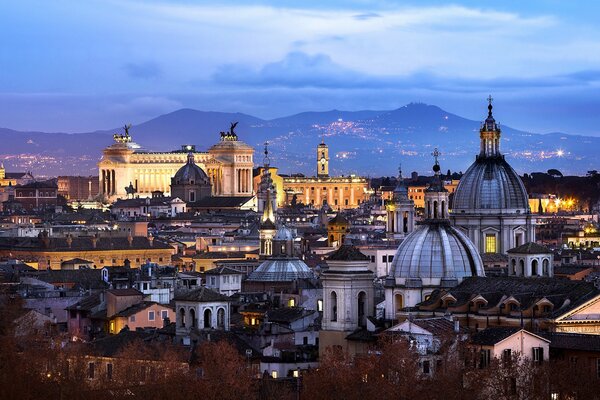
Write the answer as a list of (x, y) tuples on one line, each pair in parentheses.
[(191, 173), (284, 234), (281, 270), (434, 253)]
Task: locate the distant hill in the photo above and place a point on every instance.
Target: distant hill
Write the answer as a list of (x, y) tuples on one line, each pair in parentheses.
[(361, 142)]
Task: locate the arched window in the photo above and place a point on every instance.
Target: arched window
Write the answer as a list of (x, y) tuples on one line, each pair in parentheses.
[(332, 238), (362, 304), (546, 267), (435, 209), (405, 222), (399, 302), (182, 317), (207, 318), (522, 267), (333, 300), (192, 318), (534, 268), (221, 318), (514, 266), (443, 209)]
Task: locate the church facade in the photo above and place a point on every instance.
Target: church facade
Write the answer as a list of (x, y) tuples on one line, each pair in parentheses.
[(228, 165)]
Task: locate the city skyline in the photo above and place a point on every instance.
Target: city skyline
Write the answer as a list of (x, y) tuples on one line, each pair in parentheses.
[(88, 66)]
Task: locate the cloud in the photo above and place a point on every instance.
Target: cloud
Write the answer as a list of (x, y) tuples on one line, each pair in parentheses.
[(366, 16), (145, 70), (298, 69)]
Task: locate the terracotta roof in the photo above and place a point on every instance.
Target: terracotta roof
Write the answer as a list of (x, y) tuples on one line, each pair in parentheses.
[(134, 309), (203, 295), (287, 315), (530, 248), (220, 202)]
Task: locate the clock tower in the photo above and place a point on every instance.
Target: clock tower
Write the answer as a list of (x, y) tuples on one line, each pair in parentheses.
[(322, 160)]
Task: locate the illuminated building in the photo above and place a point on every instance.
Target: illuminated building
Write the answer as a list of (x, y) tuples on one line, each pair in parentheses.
[(339, 192), (52, 252), (228, 164), (78, 187), (491, 204)]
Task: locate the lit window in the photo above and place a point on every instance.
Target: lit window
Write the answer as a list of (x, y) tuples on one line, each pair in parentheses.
[(274, 374), (490, 243), (296, 373)]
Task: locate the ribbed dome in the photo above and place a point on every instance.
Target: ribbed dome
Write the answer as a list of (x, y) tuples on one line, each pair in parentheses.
[(435, 252), (190, 173), (490, 184), (281, 270)]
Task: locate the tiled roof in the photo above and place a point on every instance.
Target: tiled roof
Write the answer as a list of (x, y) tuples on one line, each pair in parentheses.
[(80, 244), (134, 309), (87, 303), (436, 326), (491, 336), (286, 315), (84, 278), (530, 248), (572, 341), (222, 271), (203, 295)]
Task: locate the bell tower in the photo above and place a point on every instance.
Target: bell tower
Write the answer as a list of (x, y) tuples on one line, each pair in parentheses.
[(322, 160), (489, 135)]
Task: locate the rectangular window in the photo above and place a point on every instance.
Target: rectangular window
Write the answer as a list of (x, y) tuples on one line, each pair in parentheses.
[(150, 315), (109, 371), (490, 243), (91, 370), (132, 318), (426, 367), (164, 314), (383, 258), (484, 358), (538, 355), (506, 355)]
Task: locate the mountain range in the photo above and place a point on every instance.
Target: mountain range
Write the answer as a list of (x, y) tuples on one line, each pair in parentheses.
[(368, 143)]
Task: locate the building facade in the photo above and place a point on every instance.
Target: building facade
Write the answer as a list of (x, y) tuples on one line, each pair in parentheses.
[(228, 165)]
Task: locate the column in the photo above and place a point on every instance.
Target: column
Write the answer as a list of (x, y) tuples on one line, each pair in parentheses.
[(114, 184)]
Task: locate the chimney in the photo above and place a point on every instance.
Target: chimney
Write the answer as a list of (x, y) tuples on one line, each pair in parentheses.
[(151, 240), (69, 240), (94, 240)]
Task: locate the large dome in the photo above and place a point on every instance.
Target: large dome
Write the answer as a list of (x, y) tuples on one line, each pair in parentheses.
[(281, 270), (434, 254), (190, 173), (490, 184)]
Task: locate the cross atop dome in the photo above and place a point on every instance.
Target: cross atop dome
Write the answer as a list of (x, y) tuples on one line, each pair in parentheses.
[(436, 167), (266, 160), (490, 99)]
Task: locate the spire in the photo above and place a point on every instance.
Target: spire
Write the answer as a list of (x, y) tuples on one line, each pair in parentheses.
[(436, 185), (266, 160), (268, 214), (400, 192), (489, 134)]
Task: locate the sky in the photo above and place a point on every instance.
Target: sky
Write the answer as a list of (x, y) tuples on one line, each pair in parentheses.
[(77, 66)]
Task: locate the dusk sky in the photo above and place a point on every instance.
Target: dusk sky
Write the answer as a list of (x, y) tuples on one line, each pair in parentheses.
[(85, 65)]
